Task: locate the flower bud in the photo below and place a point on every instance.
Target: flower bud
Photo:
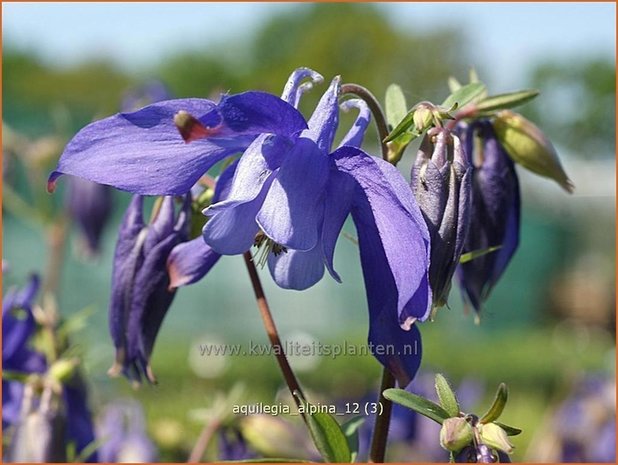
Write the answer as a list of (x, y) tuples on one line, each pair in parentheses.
[(528, 146), (140, 283), (494, 212), (441, 183), (423, 116), (456, 433), (496, 437)]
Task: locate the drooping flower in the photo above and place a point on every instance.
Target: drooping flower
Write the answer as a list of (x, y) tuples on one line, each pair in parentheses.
[(90, 206), (441, 183), (495, 213), (289, 194), (291, 199), (140, 283)]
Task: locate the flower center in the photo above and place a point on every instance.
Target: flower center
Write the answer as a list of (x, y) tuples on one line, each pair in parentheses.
[(265, 246)]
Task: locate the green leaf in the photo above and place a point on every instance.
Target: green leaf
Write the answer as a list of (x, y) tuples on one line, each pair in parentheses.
[(327, 435), (350, 429), (469, 256), (448, 401), (418, 404), (464, 95), (504, 101), (406, 123), (494, 412), (395, 105), (510, 430)]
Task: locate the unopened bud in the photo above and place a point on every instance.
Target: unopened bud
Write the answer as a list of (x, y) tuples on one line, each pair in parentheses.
[(456, 433), (527, 145), (496, 437), (423, 116)]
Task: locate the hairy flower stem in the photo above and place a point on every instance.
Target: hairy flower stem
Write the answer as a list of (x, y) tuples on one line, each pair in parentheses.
[(376, 111), (271, 330), (382, 422)]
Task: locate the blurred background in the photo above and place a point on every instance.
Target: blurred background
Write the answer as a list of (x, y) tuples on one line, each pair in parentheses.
[(550, 323)]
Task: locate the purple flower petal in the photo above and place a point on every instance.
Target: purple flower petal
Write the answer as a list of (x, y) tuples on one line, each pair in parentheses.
[(162, 225), (297, 269), (355, 135), (127, 259), (400, 351), (232, 230), (224, 182), (295, 87), (232, 227), (293, 207), (190, 261), (393, 236), (340, 192), (143, 152), (151, 299), (325, 118), (12, 394), (494, 216)]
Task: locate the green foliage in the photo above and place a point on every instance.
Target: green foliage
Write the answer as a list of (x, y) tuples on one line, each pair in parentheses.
[(578, 104), (417, 403), (496, 409), (327, 435), (447, 397)]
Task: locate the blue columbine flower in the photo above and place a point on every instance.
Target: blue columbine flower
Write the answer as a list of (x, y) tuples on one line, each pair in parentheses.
[(289, 194), (494, 212), (291, 198), (441, 183)]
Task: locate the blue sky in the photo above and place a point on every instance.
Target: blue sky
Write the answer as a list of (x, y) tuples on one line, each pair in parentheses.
[(510, 36)]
